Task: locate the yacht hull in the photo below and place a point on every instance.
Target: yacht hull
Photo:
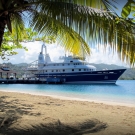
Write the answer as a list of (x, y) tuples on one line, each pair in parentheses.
[(94, 77)]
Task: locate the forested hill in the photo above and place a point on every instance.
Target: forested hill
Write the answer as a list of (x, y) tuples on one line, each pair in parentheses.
[(129, 74)]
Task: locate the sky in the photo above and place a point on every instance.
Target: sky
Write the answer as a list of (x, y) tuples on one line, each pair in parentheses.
[(119, 5), (55, 52), (97, 56)]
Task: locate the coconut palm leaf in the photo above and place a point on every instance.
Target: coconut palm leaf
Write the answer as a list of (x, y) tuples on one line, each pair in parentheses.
[(126, 10), (8, 21), (75, 16), (18, 26), (67, 14), (95, 26), (125, 41), (65, 36), (108, 5)]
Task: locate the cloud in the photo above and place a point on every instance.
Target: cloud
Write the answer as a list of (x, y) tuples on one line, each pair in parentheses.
[(34, 48)]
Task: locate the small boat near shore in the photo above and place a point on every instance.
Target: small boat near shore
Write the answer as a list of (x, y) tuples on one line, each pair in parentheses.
[(70, 70)]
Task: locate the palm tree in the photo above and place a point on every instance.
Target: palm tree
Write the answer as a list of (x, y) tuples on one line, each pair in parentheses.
[(76, 24), (11, 15)]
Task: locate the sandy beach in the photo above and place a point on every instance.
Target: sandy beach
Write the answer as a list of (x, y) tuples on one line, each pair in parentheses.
[(26, 114)]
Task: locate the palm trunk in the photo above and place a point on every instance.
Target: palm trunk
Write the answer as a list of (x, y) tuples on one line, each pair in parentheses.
[(2, 28)]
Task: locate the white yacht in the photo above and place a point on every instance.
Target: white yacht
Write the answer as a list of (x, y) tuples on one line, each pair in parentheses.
[(71, 70)]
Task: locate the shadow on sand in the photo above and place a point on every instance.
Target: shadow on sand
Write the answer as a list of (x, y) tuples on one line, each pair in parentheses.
[(11, 113)]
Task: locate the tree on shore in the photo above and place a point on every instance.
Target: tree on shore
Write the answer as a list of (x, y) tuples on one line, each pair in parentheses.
[(76, 24)]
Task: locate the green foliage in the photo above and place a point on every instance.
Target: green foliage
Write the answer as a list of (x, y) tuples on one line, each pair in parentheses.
[(11, 42), (67, 13), (78, 27), (9, 46), (75, 24), (128, 8)]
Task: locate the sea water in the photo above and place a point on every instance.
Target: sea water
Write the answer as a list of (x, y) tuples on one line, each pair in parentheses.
[(121, 92)]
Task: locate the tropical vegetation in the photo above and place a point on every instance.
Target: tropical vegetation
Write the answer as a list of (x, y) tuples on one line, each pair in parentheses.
[(76, 25), (129, 9), (10, 44)]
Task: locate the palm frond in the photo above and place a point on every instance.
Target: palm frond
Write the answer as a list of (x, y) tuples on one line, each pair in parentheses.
[(65, 36), (18, 26), (77, 19), (107, 5), (94, 25)]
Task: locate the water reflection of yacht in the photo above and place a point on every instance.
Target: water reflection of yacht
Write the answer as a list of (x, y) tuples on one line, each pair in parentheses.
[(71, 70)]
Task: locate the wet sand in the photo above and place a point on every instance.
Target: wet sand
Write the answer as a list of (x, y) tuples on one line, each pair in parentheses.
[(43, 115)]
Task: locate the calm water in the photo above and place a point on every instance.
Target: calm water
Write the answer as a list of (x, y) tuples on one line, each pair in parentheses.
[(122, 91)]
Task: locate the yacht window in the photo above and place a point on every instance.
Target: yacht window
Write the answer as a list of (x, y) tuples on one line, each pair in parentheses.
[(68, 64), (52, 70), (62, 64), (84, 69), (71, 61), (111, 72), (63, 70), (72, 69), (79, 69), (56, 70), (46, 70)]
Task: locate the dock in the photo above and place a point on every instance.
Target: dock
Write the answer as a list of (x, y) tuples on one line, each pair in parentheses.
[(32, 81)]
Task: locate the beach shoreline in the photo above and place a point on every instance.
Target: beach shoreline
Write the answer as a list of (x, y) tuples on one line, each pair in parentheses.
[(22, 113), (107, 102)]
